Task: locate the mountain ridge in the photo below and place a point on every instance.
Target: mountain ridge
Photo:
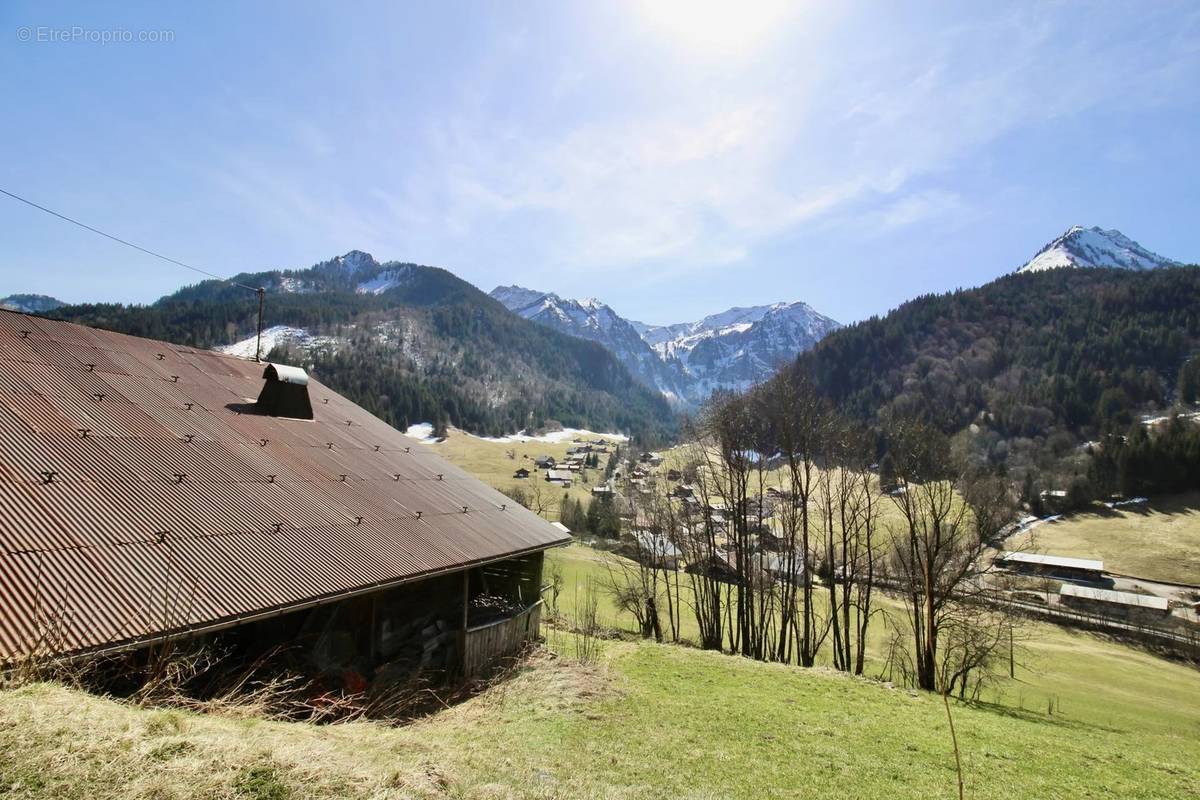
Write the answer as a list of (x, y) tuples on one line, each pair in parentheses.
[(409, 342), (686, 362), (31, 303)]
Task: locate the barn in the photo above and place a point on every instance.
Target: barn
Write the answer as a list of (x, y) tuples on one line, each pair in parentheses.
[(151, 492), (1084, 569), (1106, 602)]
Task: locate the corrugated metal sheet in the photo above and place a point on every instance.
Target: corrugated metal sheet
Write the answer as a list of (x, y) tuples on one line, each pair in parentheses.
[(139, 498)]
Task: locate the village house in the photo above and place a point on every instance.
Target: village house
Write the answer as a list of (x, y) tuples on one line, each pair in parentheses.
[(146, 495), (785, 567), (1054, 500), (657, 550), (544, 462), (603, 490), (653, 459), (560, 476), (521, 473)]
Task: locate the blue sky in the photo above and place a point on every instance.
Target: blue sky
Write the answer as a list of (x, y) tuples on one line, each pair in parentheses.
[(671, 158)]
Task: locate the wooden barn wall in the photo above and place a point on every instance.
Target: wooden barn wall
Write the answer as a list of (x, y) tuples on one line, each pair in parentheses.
[(484, 645)]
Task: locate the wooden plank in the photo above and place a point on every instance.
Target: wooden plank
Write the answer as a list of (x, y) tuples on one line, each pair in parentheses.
[(485, 644)]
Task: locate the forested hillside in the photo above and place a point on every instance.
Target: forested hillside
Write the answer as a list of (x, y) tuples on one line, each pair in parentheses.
[(411, 343), (1032, 363)]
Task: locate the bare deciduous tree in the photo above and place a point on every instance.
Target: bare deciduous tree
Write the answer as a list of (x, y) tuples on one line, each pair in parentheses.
[(937, 562)]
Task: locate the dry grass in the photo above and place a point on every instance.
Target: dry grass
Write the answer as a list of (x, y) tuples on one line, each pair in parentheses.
[(67, 743), (489, 462), (1159, 541)]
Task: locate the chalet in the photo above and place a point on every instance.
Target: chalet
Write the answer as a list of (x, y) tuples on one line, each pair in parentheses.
[(544, 462), (657, 550), (144, 496), (682, 491), (521, 473), (653, 459), (674, 475), (1054, 500), (1085, 569), (602, 490), (785, 567), (560, 476)]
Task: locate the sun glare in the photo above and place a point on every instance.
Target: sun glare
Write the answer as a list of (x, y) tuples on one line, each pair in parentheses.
[(719, 27)]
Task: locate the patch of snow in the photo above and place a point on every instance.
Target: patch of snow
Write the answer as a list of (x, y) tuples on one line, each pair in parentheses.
[(274, 336), (295, 286), (553, 437), (422, 431), (1133, 501), (384, 281)]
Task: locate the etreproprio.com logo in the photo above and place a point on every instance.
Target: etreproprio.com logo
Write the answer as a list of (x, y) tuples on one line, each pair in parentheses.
[(75, 34)]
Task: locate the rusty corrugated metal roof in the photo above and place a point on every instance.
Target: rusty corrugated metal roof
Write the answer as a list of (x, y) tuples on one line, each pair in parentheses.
[(138, 499)]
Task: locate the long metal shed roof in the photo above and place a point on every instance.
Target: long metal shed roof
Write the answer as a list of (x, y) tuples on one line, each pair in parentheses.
[(1118, 598), (139, 498), (1045, 560)]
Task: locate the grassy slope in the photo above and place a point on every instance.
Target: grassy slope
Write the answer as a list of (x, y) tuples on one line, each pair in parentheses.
[(489, 462), (1160, 541), (649, 721), (1088, 678)]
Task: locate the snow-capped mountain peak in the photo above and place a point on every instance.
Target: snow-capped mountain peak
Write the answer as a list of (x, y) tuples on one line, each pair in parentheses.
[(687, 361), (514, 297), (742, 346), (1094, 247), (352, 263)]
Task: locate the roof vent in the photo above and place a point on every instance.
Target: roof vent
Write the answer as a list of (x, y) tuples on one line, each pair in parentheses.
[(285, 393)]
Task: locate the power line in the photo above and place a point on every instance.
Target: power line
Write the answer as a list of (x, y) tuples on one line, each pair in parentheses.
[(125, 242), (260, 291)]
